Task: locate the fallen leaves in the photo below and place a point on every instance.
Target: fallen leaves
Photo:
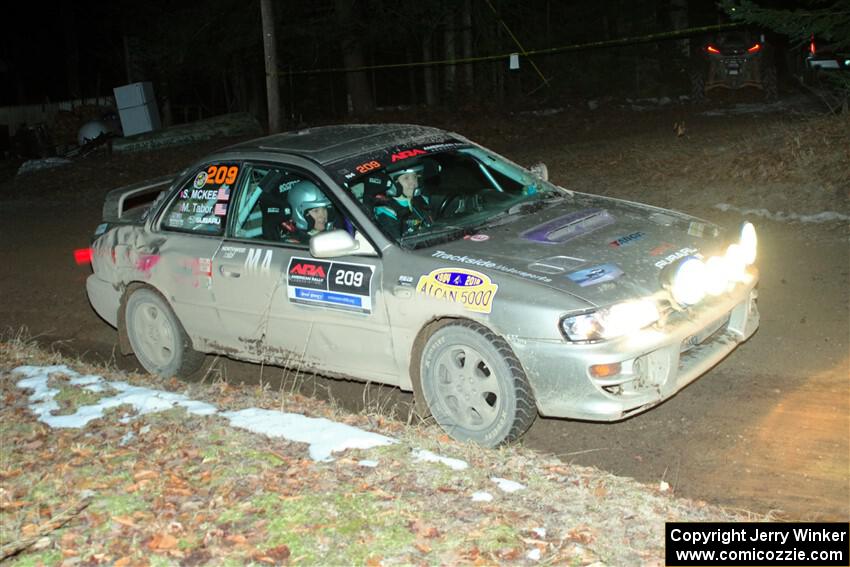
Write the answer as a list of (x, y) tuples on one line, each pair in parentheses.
[(162, 542)]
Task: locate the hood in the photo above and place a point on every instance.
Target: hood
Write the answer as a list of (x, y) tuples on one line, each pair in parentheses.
[(598, 249)]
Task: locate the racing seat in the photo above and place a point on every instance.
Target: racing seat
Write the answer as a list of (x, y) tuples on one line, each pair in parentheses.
[(273, 205)]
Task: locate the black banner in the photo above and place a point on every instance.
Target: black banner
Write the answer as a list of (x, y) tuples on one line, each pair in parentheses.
[(755, 543)]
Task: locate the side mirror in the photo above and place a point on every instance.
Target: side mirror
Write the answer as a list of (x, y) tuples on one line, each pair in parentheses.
[(339, 243), (540, 171)]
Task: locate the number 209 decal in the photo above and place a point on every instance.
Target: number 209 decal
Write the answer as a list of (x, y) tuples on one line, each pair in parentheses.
[(330, 284)]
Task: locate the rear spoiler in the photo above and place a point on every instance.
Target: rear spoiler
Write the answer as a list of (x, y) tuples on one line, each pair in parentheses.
[(117, 199)]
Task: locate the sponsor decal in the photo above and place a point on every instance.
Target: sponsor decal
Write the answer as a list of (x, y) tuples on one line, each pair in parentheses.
[(441, 147), (405, 154), (696, 229), (200, 180), (258, 261), (476, 237), (473, 290), (596, 275), (220, 209), (228, 252), (626, 240), (405, 280), (489, 264), (670, 258), (567, 227), (336, 285), (207, 220), (662, 219), (661, 249), (205, 266)]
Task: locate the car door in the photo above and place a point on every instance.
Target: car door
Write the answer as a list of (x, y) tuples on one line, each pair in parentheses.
[(281, 305), (192, 228)]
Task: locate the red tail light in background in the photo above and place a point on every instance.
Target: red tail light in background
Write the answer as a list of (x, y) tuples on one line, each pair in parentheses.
[(812, 49), (754, 49), (82, 256), (712, 49)]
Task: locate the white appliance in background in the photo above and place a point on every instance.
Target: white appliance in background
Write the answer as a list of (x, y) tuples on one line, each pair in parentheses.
[(137, 108)]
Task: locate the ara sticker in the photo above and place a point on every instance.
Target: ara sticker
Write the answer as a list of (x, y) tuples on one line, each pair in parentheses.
[(625, 240), (405, 154), (670, 258), (476, 237), (473, 290), (336, 285), (596, 275)]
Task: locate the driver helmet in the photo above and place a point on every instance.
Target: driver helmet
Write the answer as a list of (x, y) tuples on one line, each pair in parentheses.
[(303, 196)]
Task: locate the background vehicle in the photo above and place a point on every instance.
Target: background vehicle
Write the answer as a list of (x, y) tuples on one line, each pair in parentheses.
[(733, 60)]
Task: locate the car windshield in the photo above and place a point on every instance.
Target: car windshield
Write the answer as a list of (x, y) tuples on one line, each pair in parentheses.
[(428, 197)]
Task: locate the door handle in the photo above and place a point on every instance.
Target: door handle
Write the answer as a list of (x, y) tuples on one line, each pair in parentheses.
[(403, 292), (229, 273)]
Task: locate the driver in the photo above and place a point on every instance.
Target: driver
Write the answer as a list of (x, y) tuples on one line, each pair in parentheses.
[(311, 212), (407, 209)]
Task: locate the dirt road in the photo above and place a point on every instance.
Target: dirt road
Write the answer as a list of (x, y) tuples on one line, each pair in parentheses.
[(766, 430)]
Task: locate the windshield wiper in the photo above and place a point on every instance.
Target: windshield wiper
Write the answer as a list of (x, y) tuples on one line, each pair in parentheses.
[(445, 234), (522, 208)]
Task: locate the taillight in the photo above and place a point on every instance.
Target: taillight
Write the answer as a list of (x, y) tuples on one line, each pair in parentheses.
[(83, 256), (754, 49), (712, 49), (812, 46)]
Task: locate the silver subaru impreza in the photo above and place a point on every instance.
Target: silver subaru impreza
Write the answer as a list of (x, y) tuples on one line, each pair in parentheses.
[(412, 256)]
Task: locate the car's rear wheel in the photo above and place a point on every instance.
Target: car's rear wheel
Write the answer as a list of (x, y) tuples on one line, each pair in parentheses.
[(474, 386), (157, 337)]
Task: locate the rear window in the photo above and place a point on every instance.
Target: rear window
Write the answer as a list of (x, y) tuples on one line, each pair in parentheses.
[(201, 205)]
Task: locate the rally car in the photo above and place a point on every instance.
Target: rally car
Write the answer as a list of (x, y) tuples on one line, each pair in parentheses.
[(412, 256), (733, 60)]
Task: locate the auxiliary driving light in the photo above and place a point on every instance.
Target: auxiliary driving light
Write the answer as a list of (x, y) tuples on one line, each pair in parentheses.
[(748, 243), (688, 283)]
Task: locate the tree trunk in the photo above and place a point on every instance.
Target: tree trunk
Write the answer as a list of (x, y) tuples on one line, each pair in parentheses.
[(359, 93), (466, 42), (449, 71), (428, 71), (270, 51)]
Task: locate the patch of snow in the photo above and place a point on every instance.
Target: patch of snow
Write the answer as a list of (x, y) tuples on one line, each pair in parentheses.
[(482, 496), (663, 486), (542, 112), (369, 463), (507, 485), (825, 216), (126, 439), (429, 457), (540, 532), (40, 164), (533, 554), (323, 435)]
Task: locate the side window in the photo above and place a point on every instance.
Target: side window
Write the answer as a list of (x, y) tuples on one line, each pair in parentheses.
[(201, 205), (275, 204)]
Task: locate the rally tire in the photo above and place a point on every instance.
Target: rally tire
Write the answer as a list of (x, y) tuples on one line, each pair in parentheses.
[(474, 386), (157, 338)]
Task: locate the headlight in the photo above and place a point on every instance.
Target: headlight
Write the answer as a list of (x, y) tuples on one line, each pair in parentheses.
[(610, 322), (748, 243)]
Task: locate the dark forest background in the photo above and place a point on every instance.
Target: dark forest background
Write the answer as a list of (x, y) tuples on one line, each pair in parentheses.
[(207, 58)]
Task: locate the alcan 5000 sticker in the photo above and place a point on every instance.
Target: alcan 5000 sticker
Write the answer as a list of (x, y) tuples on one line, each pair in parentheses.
[(330, 284), (469, 288)]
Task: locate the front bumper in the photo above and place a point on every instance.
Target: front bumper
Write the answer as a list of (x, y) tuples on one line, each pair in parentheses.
[(656, 363)]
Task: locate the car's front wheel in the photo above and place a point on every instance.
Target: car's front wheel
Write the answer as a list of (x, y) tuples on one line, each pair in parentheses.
[(474, 386), (157, 337)]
